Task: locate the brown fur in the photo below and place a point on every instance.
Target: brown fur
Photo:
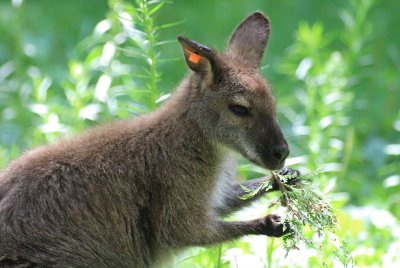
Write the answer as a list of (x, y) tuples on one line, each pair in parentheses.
[(128, 192)]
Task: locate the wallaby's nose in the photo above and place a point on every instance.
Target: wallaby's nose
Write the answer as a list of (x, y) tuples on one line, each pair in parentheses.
[(280, 152)]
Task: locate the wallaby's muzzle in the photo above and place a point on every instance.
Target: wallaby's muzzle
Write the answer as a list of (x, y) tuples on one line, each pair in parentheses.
[(273, 148), (280, 152), (274, 157)]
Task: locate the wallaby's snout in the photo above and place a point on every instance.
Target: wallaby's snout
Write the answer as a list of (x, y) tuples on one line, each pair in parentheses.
[(271, 146), (280, 152), (280, 149)]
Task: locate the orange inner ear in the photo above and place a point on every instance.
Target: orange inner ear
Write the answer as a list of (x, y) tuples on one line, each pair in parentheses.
[(193, 57)]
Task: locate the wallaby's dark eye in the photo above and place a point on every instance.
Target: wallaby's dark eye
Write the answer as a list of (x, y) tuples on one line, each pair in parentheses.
[(239, 110)]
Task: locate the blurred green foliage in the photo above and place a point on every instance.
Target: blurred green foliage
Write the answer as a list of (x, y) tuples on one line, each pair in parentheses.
[(334, 67)]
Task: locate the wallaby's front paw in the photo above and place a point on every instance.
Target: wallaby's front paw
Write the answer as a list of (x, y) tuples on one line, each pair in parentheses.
[(289, 172), (272, 225), (292, 175)]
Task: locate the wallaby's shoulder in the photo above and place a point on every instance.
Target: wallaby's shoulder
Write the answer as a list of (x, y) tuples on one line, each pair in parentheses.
[(76, 149)]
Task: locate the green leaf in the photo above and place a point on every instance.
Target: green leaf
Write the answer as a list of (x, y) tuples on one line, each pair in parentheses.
[(156, 8), (169, 25), (160, 43)]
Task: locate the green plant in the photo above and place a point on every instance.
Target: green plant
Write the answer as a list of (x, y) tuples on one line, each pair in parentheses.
[(304, 207)]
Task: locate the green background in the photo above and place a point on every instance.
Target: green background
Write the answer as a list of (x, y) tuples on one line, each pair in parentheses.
[(340, 113)]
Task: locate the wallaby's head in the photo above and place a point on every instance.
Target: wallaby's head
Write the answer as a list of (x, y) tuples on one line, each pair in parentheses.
[(231, 101)]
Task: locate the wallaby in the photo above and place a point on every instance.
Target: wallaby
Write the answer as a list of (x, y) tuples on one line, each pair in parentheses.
[(128, 193)]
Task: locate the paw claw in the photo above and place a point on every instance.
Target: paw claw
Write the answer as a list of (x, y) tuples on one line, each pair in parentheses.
[(272, 226)]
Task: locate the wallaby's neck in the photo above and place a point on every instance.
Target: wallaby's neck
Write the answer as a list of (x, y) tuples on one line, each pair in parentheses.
[(179, 104), (181, 131), (178, 111)]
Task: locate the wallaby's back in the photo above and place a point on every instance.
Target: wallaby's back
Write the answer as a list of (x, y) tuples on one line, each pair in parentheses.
[(105, 193)]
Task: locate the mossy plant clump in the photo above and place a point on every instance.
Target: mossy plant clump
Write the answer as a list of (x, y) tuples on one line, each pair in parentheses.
[(304, 207)]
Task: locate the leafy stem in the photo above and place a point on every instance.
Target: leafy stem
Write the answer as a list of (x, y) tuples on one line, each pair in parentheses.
[(146, 18), (282, 187), (305, 206)]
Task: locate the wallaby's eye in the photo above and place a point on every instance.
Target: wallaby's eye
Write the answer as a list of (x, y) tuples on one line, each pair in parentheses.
[(239, 110)]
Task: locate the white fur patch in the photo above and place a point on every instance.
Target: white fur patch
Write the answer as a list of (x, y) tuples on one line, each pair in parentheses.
[(224, 181)]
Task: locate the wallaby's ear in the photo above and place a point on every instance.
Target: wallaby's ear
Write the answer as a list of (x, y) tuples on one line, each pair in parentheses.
[(249, 40), (200, 59)]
